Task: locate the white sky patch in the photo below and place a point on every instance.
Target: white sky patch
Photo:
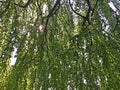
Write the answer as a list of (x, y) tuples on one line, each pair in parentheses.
[(84, 81), (49, 76), (13, 57), (112, 6), (45, 8)]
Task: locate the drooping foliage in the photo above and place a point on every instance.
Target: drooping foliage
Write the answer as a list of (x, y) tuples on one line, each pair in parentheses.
[(59, 45)]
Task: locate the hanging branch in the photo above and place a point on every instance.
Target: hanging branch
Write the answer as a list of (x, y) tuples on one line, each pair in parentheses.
[(51, 13), (86, 18), (75, 11), (26, 5), (88, 13)]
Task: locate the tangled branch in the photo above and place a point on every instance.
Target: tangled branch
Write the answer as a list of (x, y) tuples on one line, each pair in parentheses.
[(89, 12), (51, 13), (75, 11)]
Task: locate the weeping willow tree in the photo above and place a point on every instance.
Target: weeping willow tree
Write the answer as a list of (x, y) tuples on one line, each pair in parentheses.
[(59, 45)]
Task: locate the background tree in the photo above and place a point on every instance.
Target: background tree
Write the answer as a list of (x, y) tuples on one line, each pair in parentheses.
[(59, 45)]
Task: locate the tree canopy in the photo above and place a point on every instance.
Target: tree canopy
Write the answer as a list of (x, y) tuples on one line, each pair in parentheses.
[(59, 45)]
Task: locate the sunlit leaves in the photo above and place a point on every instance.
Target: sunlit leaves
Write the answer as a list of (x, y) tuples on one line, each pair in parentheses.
[(72, 55)]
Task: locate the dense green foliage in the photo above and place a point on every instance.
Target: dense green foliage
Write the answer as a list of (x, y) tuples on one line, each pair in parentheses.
[(76, 48)]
